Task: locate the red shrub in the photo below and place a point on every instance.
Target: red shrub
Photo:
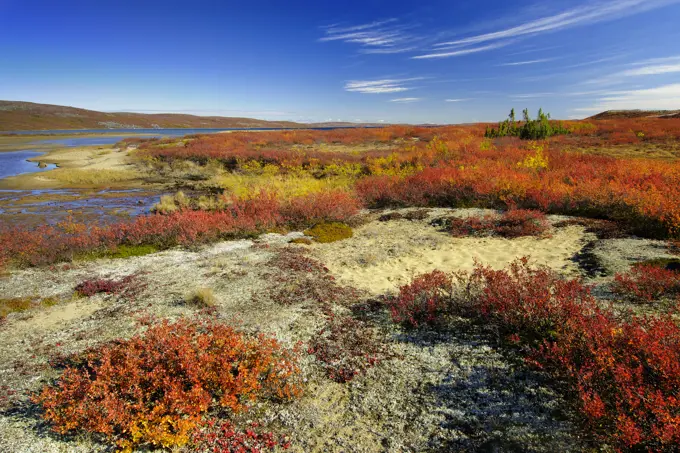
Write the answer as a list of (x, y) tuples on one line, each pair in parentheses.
[(511, 224), (242, 218), (347, 347), (223, 437), (647, 283), (128, 286), (320, 207), (155, 387), (626, 373), (426, 300), (521, 222)]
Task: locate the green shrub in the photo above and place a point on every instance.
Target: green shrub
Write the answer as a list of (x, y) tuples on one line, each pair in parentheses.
[(528, 129)]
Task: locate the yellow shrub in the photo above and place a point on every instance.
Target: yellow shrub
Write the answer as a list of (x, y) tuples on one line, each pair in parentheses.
[(537, 161), (329, 232)]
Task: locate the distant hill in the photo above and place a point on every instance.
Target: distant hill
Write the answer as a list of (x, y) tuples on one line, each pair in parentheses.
[(614, 114), (22, 116)]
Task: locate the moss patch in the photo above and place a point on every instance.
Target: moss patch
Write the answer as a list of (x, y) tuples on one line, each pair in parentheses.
[(127, 251), (329, 232), (122, 251), (8, 306)]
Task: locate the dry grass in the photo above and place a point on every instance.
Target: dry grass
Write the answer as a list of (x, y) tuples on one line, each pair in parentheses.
[(92, 177), (201, 297)]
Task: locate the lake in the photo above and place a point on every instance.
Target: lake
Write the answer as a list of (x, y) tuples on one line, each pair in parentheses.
[(163, 132), (16, 163)]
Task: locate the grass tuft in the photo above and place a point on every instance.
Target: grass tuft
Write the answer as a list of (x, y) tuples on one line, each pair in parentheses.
[(202, 297)]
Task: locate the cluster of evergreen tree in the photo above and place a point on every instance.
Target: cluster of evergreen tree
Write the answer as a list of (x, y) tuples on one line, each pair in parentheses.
[(528, 129)]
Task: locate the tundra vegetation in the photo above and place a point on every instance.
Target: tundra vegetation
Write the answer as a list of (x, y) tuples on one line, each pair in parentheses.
[(203, 383)]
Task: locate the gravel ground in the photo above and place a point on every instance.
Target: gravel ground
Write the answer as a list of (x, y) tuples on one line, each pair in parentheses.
[(451, 391)]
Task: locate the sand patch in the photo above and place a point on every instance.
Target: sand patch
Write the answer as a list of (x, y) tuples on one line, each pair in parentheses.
[(58, 315), (385, 255)]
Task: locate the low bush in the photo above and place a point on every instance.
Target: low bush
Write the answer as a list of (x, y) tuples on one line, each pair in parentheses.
[(426, 300), (647, 282), (320, 207), (223, 437), (624, 373), (297, 278), (155, 388), (243, 218), (511, 224), (347, 347), (128, 286), (329, 232), (603, 229)]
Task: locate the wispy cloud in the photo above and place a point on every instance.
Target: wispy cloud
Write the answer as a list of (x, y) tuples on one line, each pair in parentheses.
[(405, 100), (458, 53), (586, 14), (651, 67), (592, 62), (379, 37), (457, 100), (665, 97), (652, 70), (522, 63), (583, 15), (534, 50), (380, 86), (531, 95)]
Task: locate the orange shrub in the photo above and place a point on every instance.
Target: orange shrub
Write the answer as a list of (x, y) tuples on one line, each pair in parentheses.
[(156, 387)]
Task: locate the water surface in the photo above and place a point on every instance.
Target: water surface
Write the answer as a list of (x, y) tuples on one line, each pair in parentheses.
[(15, 163)]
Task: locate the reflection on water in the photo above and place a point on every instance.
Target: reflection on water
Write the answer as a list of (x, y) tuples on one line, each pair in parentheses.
[(16, 163)]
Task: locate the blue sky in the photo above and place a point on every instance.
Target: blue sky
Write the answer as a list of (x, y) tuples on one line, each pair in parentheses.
[(390, 61)]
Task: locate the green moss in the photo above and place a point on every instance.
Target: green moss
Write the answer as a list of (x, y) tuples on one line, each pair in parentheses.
[(329, 232), (122, 251), (49, 302), (127, 251)]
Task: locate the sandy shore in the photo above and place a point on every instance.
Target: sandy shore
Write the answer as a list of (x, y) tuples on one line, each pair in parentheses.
[(71, 162)]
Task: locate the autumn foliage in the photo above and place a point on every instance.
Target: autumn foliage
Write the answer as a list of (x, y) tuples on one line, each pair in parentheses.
[(243, 217), (623, 372), (646, 283), (511, 224), (156, 387)]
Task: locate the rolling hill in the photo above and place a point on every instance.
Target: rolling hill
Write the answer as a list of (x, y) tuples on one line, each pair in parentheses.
[(616, 114), (28, 116)]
